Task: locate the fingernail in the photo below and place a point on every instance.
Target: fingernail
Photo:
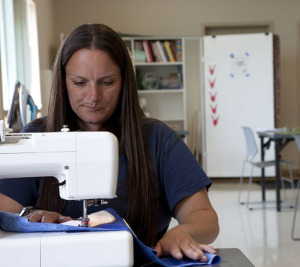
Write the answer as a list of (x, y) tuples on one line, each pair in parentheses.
[(204, 259)]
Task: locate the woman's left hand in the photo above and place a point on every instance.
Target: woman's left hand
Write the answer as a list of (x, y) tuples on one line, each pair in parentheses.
[(198, 225), (178, 244), (47, 217)]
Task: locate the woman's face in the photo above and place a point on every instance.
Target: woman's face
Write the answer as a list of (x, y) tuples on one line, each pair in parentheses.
[(94, 85)]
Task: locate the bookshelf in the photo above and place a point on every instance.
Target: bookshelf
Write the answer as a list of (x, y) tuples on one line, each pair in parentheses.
[(160, 72)]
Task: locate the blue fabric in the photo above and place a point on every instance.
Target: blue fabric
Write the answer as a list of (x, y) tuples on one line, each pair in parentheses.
[(177, 173), (142, 254)]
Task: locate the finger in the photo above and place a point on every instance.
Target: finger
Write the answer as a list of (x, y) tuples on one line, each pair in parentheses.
[(34, 217), (198, 253), (158, 249), (43, 216), (54, 217), (193, 251), (49, 218), (176, 253), (207, 248), (62, 219)]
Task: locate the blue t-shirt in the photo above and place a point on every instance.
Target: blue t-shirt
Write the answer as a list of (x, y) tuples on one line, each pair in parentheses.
[(176, 170)]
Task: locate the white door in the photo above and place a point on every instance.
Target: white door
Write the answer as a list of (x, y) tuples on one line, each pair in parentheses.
[(238, 91)]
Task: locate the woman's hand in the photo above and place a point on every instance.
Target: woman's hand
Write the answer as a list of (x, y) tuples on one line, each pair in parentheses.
[(178, 244), (47, 217), (198, 225)]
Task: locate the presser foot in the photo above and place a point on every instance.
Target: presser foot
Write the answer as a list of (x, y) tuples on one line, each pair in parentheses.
[(85, 221)]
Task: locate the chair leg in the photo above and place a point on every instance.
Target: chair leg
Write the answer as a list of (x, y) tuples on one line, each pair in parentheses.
[(292, 182), (249, 188), (241, 184), (282, 179), (295, 213)]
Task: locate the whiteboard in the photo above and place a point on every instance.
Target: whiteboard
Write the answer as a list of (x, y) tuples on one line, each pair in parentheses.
[(238, 91)]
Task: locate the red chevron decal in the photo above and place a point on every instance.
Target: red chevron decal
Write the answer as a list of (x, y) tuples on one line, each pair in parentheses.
[(215, 120), (212, 69), (213, 96), (212, 83), (214, 109)]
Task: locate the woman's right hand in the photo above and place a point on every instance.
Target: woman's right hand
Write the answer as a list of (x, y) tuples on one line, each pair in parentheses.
[(47, 217)]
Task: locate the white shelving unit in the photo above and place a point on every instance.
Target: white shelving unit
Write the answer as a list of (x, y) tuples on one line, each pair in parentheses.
[(167, 104)]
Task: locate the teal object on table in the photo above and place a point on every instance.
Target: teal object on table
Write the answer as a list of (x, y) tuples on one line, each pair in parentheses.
[(142, 254)]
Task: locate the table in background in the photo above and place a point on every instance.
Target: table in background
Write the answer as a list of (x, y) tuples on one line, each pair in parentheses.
[(281, 139)]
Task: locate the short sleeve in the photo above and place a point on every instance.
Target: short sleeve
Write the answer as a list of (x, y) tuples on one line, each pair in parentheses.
[(182, 174), (179, 173), (22, 190)]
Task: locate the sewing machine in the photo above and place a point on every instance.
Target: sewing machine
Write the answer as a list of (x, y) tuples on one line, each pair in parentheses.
[(86, 167)]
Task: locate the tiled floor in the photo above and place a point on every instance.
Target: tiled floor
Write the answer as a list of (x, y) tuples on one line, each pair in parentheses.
[(263, 235)]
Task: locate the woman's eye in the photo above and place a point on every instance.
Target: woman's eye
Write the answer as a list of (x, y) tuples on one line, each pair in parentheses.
[(79, 83), (106, 83)]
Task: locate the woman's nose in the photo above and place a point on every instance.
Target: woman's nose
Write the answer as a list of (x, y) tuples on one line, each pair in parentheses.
[(94, 92)]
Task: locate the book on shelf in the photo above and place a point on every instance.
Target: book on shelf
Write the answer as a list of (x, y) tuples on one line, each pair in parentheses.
[(165, 52), (148, 51), (158, 50), (138, 45), (156, 54), (139, 53), (161, 52), (178, 45), (173, 48), (169, 51)]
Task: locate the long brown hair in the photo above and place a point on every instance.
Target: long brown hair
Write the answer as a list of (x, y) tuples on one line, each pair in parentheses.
[(126, 123)]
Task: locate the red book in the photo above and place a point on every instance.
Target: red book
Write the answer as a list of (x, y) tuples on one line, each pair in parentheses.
[(147, 49)]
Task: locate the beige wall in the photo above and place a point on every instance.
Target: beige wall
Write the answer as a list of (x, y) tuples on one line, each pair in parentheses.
[(183, 18)]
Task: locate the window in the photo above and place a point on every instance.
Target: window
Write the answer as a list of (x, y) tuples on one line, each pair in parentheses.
[(33, 53), (19, 49)]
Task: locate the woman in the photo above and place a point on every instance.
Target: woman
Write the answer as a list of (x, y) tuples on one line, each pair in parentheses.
[(94, 89)]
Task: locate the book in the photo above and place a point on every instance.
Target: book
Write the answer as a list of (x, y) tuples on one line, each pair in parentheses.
[(169, 51), (138, 45), (178, 45), (165, 52), (173, 47), (147, 49), (155, 51), (161, 51), (139, 53)]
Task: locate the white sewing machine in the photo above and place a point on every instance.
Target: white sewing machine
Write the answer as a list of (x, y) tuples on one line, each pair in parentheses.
[(86, 167)]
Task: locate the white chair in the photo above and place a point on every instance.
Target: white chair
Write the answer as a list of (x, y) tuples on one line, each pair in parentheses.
[(252, 151), (297, 139)]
